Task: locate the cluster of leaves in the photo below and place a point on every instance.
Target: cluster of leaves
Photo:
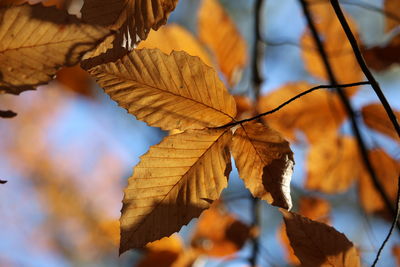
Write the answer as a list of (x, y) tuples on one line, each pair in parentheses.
[(180, 92)]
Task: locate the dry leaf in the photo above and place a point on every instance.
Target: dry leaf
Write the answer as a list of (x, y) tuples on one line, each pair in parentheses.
[(317, 244), (380, 58), (75, 79), (315, 113), (172, 184), (387, 170), (174, 91), (162, 253), (133, 18), (218, 31), (340, 54), (317, 209), (392, 6), (265, 163), (375, 117), (35, 41), (396, 253), (174, 37), (218, 233), (333, 165)]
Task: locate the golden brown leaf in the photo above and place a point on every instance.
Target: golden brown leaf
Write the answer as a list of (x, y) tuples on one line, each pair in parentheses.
[(133, 18), (172, 184), (35, 41), (218, 233), (396, 253), (265, 163), (340, 53), (317, 209), (380, 58), (392, 6), (387, 170), (162, 253), (317, 244), (333, 165), (375, 117), (218, 31), (315, 113), (175, 91), (75, 79), (174, 37)]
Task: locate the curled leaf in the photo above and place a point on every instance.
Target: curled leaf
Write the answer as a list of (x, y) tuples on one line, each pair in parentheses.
[(265, 163), (35, 41)]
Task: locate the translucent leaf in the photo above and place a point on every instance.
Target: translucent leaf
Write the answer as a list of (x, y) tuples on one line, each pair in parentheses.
[(173, 183), (35, 41), (265, 163), (175, 91), (219, 32), (375, 117)]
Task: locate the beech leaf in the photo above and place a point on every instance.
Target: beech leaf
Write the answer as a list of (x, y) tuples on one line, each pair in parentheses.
[(313, 114), (265, 163), (219, 32), (175, 91), (387, 170), (317, 244), (170, 184), (344, 64), (333, 165), (133, 18), (375, 117), (35, 41), (174, 37)]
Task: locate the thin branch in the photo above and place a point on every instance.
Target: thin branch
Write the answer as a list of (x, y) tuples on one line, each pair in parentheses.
[(327, 86), (257, 79), (378, 91), (349, 109), (392, 226)]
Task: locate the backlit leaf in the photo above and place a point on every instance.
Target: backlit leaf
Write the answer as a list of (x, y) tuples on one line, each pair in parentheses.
[(315, 113), (387, 170), (265, 163), (174, 37), (35, 41), (317, 244), (175, 91), (332, 165), (392, 6), (218, 31), (75, 79), (218, 233), (162, 253), (133, 18), (173, 183), (380, 58), (340, 53), (375, 117)]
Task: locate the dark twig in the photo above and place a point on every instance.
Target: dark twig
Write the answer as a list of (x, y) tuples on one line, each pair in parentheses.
[(378, 91), (327, 86), (3, 181), (7, 114), (257, 80), (349, 109)]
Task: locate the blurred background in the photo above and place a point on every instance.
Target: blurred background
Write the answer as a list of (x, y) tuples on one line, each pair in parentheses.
[(68, 153)]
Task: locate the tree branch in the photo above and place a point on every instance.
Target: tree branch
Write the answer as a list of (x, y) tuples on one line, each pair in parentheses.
[(378, 91), (349, 109), (328, 86)]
